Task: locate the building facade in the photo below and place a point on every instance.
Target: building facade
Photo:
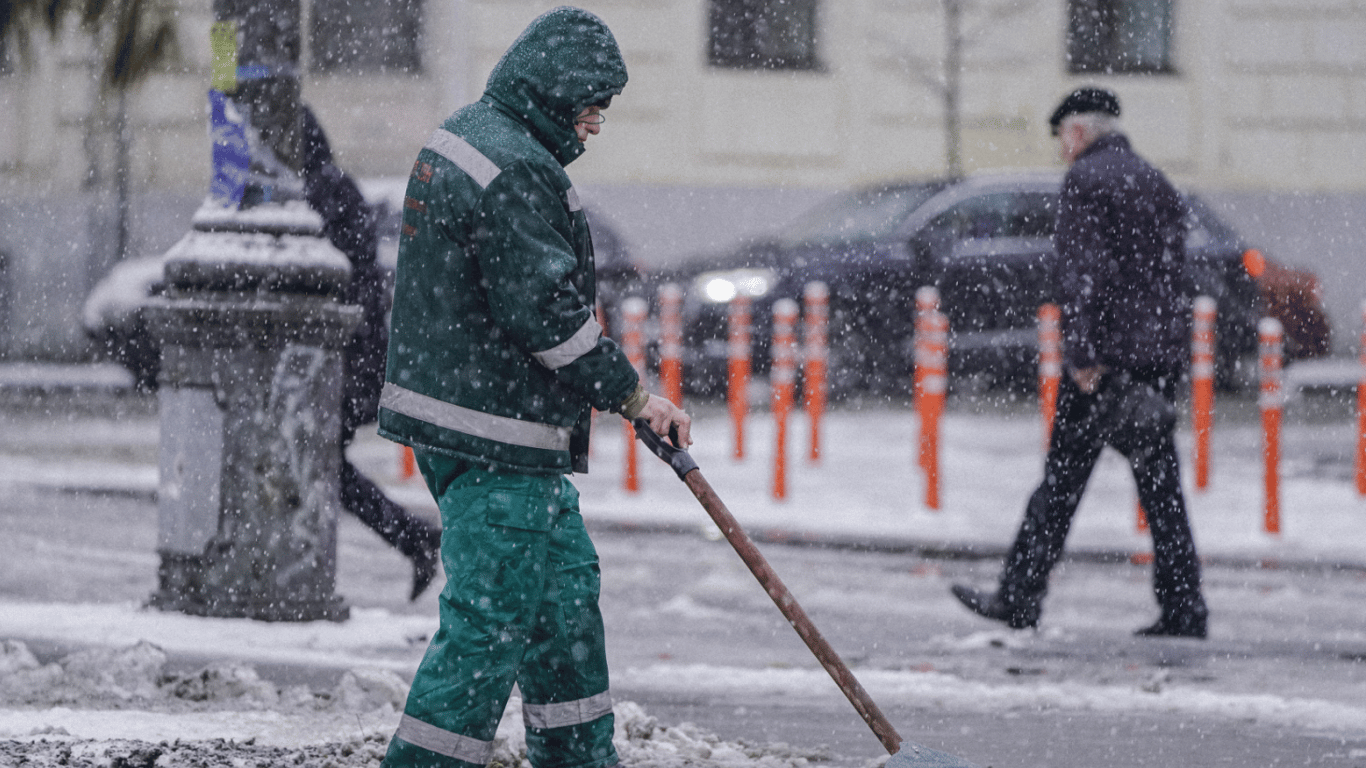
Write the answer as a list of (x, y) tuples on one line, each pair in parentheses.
[(738, 114)]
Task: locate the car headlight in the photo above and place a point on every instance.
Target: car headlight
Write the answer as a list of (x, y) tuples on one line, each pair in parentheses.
[(721, 286)]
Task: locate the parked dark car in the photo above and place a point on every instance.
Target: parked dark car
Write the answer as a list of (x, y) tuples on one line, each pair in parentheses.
[(985, 242), (113, 312)]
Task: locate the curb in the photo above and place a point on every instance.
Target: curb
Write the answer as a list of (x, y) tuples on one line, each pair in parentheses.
[(943, 550)]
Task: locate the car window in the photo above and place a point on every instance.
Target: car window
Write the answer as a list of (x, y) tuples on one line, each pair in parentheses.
[(1003, 214), (1203, 228), (862, 215), (995, 216)]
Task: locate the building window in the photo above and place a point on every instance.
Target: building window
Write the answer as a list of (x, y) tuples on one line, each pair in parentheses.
[(1119, 36), (763, 34), (6, 66), (366, 36)]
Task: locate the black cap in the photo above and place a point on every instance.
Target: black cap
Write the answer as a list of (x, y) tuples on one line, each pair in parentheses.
[(1082, 101)]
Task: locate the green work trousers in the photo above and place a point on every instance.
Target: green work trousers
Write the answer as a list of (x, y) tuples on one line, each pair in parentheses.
[(520, 606)]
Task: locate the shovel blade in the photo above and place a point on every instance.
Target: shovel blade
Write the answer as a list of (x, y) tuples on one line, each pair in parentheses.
[(912, 755)]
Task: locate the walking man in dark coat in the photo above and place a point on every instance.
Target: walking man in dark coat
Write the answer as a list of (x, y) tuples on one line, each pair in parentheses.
[(350, 226), (1119, 271)]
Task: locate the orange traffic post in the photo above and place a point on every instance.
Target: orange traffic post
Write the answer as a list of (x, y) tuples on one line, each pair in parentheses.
[(1050, 366), (932, 374), (1202, 384), (783, 383), (738, 368), (1361, 410), (1271, 339), (926, 302), (671, 342), (633, 312), (817, 322)]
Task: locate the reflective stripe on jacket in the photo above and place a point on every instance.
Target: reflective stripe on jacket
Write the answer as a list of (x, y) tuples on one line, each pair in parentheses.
[(495, 354)]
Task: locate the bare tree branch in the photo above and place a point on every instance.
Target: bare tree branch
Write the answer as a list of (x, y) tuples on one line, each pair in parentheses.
[(926, 72), (135, 37), (994, 16)]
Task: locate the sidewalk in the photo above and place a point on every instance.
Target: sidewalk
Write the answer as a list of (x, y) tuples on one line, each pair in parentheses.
[(866, 490)]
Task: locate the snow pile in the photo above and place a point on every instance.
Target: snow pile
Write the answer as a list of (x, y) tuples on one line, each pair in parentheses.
[(120, 708), (136, 676), (216, 753), (643, 743)]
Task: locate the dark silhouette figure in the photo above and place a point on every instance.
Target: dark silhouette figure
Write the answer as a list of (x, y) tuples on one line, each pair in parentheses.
[(350, 225), (1126, 326)]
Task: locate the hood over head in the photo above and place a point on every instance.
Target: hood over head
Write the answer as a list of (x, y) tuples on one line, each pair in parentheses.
[(565, 60)]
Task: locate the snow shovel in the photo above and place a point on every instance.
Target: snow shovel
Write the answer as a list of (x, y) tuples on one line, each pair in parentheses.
[(905, 754)]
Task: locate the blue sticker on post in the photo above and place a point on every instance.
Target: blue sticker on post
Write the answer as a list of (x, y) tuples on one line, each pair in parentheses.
[(231, 157)]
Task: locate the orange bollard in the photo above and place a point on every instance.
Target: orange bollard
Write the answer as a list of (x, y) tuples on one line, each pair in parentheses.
[(407, 463), (1050, 366), (738, 368), (633, 312), (932, 358), (817, 299), (1361, 410), (671, 342), (926, 302), (1202, 384), (783, 382), (1270, 336)]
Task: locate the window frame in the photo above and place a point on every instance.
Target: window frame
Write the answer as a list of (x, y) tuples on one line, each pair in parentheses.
[(738, 39), (375, 51), (1103, 53)]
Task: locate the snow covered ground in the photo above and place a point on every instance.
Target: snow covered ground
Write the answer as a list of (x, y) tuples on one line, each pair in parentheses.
[(88, 677)]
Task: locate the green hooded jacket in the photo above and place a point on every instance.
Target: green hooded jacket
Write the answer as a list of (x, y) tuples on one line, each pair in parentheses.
[(495, 355)]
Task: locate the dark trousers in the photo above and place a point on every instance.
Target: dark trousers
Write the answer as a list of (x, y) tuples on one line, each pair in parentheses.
[(1135, 414), (404, 531)]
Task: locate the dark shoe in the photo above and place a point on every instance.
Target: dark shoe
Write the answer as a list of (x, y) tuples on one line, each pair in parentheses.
[(1186, 625), (990, 605), (424, 567)]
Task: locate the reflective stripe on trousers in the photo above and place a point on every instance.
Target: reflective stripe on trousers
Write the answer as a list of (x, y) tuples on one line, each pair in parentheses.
[(520, 605), (541, 716)]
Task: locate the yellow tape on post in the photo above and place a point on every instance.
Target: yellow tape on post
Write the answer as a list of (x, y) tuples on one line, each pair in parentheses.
[(223, 44)]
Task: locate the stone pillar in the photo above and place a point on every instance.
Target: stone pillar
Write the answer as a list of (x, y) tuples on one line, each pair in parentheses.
[(251, 328)]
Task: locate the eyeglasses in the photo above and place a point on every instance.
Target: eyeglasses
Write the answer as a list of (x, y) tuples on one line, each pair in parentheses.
[(594, 118)]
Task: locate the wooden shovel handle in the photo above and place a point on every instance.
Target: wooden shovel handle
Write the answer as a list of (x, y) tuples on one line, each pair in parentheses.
[(744, 546)]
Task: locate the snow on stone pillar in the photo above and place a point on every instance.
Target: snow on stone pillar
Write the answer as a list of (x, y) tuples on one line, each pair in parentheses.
[(251, 329)]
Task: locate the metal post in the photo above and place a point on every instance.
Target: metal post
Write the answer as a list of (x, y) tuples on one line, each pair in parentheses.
[(1050, 366), (633, 313), (814, 384), (671, 342), (250, 403), (1270, 336), (932, 357), (251, 329), (738, 367), (782, 381), (1202, 385), (1361, 410), (926, 302)]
